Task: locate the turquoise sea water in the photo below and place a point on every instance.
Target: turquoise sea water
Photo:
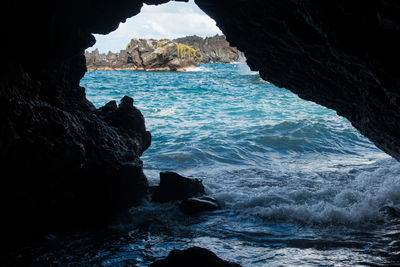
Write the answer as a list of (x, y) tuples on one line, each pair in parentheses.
[(297, 183)]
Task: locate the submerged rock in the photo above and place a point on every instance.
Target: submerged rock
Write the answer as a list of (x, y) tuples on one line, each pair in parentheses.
[(176, 187), (196, 205), (193, 257)]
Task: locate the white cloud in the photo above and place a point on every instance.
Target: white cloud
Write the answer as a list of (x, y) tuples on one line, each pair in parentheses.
[(171, 20)]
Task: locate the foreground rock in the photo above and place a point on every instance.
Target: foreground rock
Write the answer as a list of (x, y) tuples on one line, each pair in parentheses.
[(165, 55), (69, 165), (198, 204), (193, 257), (176, 187)]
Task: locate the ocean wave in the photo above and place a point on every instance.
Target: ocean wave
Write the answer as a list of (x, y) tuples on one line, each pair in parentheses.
[(244, 69), (361, 201), (304, 135)]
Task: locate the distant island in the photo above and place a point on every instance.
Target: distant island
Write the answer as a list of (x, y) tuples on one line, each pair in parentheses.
[(165, 55)]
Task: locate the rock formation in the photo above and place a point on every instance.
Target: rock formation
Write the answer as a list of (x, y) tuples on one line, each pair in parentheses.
[(176, 187), (165, 55), (214, 49), (66, 164)]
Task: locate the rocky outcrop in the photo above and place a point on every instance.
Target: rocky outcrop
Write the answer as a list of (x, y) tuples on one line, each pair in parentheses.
[(195, 257), (214, 49), (65, 164), (165, 55), (189, 190)]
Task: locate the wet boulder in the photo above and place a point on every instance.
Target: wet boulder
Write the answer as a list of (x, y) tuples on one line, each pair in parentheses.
[(194, 257), (176, 187), (198, 204)]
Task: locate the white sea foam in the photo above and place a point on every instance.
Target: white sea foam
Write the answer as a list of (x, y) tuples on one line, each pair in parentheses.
[(358, 202), (198, 69), (244, 69), (165, 112)]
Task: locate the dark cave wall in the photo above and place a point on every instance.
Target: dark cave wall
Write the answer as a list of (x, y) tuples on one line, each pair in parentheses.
[(66, 164)]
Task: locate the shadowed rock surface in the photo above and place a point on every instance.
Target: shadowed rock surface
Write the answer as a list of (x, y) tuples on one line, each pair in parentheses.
[(165, 55), (65, 164), (176, 187), (194, 257)]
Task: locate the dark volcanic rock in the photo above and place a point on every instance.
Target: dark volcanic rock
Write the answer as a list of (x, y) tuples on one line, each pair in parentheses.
[(193, 257), (69, 165), (176, 187), (198, 204)]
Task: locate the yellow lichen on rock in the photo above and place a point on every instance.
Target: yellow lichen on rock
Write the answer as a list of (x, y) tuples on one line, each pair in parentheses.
[(181, 51), (160, 44)]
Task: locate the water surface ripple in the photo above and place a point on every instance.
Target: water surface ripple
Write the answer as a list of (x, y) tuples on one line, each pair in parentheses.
[(298, 184)]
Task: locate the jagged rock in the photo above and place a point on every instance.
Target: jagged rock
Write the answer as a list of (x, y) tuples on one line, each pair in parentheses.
[(165, 55), (214, 49), (176, 187), (128, 120), (72, 165), (193, 257), (198, 204)]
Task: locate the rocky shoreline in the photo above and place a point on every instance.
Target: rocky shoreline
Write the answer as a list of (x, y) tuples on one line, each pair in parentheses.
[(165, 55)]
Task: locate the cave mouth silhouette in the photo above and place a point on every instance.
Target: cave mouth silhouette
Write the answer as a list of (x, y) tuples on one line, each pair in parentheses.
[(322, 52)]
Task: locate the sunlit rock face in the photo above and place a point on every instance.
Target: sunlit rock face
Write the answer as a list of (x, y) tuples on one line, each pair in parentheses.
[(341, 54), (165, 55), (66, 164)]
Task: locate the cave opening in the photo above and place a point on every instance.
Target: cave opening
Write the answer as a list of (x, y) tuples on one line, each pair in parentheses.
[(289, 181)]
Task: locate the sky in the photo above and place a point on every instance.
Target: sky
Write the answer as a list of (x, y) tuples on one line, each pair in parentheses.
[(171, 20)]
